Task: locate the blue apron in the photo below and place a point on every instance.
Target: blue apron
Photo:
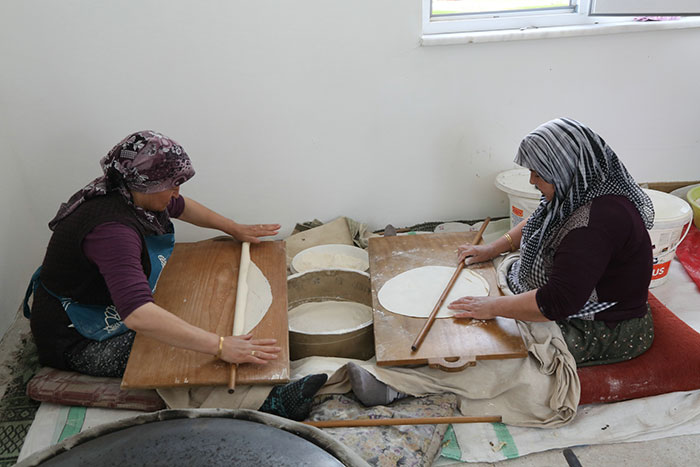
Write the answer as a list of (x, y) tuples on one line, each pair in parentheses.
[(100, 322)]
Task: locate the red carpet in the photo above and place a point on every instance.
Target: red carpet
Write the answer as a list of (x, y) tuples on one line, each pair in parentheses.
[(671, 364), (688, 253)]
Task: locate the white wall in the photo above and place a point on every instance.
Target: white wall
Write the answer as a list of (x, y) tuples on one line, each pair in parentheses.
[(298, 110)]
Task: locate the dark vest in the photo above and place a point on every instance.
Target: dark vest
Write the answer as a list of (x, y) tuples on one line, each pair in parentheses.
[(67, 272)]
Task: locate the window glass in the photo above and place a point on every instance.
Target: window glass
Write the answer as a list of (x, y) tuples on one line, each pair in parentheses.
[(472, 7)]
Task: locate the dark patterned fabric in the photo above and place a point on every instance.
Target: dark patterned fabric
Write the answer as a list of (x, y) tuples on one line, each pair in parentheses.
[(582, 167), (17, 410), (595, 343), (145, 162), (104, 358)]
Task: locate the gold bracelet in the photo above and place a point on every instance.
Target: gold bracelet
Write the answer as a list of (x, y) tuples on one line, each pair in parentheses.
[(510, 241), (221, 347)]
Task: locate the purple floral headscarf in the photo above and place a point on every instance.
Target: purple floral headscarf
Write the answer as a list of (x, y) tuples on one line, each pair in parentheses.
[(145, 162)]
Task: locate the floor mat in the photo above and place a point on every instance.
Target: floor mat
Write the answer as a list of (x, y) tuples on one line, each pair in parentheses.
[(17, 411)]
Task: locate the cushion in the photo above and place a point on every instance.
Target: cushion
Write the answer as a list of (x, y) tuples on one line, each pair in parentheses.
[(671, 364), (69, 388)]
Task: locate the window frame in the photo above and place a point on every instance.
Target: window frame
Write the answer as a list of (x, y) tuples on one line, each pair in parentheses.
[(590, 17), (510, 21)]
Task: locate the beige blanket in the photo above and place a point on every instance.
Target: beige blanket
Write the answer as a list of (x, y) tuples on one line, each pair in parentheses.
[(541, 390)]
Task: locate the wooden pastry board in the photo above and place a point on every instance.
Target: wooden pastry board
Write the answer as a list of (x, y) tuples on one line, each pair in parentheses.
[(199, 285), (452, 344)]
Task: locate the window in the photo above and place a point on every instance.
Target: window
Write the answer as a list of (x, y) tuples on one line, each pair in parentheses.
[(466, 16)]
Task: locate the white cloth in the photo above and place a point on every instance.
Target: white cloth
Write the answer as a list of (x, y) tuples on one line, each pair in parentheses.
[(648, 418), (539, 390)]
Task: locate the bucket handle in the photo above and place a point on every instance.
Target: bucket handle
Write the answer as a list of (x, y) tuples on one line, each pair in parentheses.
[(680, 240)]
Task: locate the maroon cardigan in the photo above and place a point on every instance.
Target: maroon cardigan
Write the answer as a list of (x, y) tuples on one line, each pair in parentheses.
[(612, 254)]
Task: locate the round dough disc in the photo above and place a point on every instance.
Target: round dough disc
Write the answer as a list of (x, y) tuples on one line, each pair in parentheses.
[(321, 260), (416, 291)]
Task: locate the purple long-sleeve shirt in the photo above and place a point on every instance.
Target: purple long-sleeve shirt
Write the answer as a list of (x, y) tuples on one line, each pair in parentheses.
[(116, 251), (611, 255)]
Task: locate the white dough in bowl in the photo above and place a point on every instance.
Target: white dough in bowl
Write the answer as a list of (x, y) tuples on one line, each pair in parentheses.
[(329, 317), (416, 291)]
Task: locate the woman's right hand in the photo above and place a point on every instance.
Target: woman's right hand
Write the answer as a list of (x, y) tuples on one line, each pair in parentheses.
[(245, 349), (472, 254)]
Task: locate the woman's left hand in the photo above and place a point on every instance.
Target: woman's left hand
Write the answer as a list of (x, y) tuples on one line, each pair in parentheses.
[(474, 307), (251, 233)]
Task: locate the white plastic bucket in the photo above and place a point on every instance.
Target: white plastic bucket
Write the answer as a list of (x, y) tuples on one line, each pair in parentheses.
[(523, 198), (672, 220)]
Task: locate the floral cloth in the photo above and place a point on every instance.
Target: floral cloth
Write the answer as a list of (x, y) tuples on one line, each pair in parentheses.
[(405, 445)]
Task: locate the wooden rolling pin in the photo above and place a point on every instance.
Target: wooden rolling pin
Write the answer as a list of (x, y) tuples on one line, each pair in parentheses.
[(401, 421), (431, 318), (241, 301)]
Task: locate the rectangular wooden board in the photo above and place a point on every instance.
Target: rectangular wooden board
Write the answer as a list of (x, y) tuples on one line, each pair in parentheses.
[(451, 343), (198, 284)]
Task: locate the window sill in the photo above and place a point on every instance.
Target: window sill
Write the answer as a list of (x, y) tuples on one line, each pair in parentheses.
[(428, 40)]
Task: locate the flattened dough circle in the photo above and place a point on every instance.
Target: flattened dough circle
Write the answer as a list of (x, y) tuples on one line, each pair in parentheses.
[(416, 291)]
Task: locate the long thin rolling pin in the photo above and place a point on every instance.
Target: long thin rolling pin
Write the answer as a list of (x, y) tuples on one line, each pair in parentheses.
[(401, 421), (241, 301), (431, 318)]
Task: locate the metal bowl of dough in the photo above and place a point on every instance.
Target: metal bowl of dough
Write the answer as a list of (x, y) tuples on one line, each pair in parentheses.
[(331, 285)]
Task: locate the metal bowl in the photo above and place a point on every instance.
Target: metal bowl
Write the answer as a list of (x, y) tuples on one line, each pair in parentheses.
[(331, 285)]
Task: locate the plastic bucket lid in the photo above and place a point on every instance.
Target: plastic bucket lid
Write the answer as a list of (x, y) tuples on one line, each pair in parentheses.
[(669, 211), (517, 182)]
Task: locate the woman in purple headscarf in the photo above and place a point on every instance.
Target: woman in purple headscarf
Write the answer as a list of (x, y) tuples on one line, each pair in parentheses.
[(110, 241)]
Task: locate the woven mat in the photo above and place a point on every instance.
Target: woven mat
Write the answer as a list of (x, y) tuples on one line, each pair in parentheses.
[(17, 411)]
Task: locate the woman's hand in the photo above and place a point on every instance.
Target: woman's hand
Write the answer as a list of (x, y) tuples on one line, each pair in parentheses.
[(245, 349), (202, 216), (474, 307), (472, 254), (251, 233)]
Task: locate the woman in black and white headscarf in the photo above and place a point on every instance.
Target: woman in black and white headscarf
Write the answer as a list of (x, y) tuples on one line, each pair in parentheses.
[(586, 255)]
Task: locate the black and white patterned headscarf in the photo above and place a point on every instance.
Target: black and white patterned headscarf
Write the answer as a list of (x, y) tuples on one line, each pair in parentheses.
[(581, 166)]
